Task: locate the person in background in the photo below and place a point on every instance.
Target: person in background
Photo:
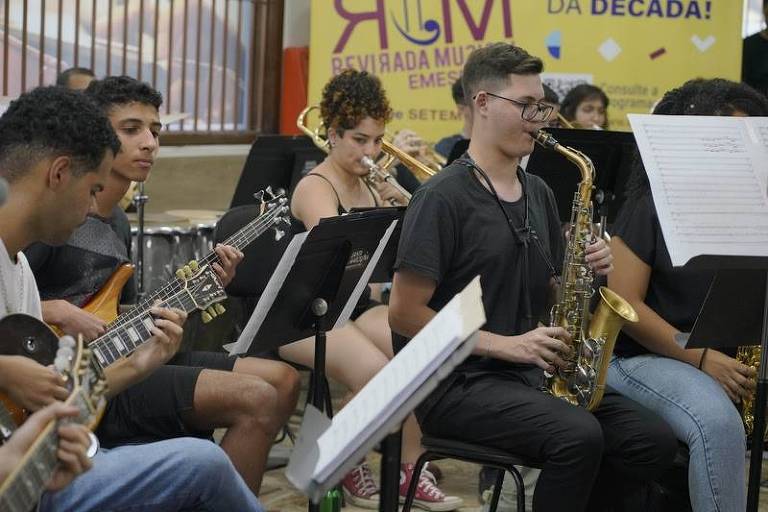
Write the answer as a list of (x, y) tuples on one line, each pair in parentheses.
[(552, 99), (586, 106), (693, 389), (76, 79), (445, 145), (754, 60)]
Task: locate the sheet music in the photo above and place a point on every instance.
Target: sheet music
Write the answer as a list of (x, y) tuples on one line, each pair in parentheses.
[(708, 179), (363, 282), (404, 374), (246, 337)]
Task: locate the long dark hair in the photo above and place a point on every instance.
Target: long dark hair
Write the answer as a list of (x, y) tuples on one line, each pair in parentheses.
[(699, 97)]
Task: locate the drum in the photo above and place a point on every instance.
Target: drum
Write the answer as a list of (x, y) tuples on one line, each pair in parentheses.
[(203, 223), (169, 243)]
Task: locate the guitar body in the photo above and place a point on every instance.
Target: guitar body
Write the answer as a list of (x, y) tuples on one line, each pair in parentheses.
[(106, 303), (24, 335)]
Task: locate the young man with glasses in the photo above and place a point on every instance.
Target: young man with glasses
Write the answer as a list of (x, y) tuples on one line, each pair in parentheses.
[(484, 215)]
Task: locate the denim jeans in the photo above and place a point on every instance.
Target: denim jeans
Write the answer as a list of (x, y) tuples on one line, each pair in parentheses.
[(701, 415), (173, 475)]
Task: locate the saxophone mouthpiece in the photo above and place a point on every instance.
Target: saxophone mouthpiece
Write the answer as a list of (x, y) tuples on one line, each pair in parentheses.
[(544, 139)]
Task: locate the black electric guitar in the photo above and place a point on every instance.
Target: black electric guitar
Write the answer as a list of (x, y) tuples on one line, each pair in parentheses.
[(22, 489)]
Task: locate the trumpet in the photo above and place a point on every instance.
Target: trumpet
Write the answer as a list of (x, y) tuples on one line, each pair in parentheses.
[(393, 153), (377, 175)]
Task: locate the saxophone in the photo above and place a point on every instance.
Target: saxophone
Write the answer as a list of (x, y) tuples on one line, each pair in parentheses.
[(581, 381), (750, 356)]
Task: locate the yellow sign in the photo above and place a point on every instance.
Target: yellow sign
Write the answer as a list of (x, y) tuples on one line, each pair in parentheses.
[(634, 49)]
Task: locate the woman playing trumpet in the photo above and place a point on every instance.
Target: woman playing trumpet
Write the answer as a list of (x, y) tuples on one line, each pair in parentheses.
[(354, 111)]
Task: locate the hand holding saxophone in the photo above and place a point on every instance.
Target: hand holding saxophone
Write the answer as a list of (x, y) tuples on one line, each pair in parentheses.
[(738, 380), (599, 257), (542, 346)]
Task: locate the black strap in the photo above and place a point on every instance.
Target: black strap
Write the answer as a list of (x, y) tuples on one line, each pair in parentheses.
[(522, 234)]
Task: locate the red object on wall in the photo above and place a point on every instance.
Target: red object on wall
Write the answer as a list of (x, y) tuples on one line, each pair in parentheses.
[(295, 85)]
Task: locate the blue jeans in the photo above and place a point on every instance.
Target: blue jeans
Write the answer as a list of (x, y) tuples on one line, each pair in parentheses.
[(177, 474), (701, 415)]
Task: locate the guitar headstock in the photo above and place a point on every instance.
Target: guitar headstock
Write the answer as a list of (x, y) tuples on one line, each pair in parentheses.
[(275, 210), (201, 287), (85, 381)]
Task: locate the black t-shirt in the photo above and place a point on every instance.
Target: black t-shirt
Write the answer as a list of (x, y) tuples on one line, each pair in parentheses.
[(674, 293), (454, 229), (754, 63), (78, 269)]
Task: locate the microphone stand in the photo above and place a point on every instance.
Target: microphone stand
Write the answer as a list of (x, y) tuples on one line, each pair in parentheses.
[(139, 199)]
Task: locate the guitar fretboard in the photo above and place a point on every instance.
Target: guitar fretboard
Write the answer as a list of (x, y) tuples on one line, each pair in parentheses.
[(23, 488), (239, 241), (130, 334), (131, 329)]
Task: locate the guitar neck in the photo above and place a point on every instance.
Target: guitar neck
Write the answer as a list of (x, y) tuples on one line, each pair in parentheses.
[(22, 489), (135, 329), (239, 241)]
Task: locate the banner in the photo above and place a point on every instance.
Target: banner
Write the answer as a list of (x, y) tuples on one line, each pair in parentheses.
[(635, 50)]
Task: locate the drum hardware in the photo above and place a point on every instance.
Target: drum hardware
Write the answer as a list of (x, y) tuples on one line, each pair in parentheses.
[(140, 200)]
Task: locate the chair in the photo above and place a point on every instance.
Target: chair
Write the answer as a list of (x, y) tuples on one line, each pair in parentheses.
[(439, 448)]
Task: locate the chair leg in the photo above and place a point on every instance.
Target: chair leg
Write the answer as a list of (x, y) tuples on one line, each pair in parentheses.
[(496, 491), (411, 494), (328, 404), (520, 486)]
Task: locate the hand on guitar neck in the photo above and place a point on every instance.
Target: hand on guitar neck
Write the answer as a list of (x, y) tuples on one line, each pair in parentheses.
[(73, 445), (229, 258)]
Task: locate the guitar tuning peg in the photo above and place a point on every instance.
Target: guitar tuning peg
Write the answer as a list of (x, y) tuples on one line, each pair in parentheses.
[(194, 265), (269, 193), (259, 196), (206, 317), (180, 274), (213, 312), (187, 271), (61, 364), (279, 233), (219, 308), (67, 341)]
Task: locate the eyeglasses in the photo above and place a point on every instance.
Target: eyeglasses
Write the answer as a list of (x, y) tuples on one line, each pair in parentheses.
[(534, 112)]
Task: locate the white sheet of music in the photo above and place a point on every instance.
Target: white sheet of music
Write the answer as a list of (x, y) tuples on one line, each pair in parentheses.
[(708, 177), (408, 370)]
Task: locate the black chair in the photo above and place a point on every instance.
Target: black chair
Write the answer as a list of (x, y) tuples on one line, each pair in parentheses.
[(437, 448)]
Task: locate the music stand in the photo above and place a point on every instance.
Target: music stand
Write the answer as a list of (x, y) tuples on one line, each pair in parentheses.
[(271, 162), (747, 324), (326, 450), (612, 154), (385, 268)]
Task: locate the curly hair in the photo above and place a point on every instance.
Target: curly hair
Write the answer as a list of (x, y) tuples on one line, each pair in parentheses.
[(700, 97), (350, 97), (577, 96), (122, 90), (50, 122)]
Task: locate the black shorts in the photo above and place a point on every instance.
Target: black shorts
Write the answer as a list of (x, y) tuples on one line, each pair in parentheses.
[(152, 409)]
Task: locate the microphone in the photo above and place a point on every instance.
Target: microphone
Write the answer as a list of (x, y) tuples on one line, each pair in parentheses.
[(3, 191)]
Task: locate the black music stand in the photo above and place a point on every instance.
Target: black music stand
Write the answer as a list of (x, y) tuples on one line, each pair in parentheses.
[(271, 162), (727, 322), (613, 155), (378, 410), (315, 290)]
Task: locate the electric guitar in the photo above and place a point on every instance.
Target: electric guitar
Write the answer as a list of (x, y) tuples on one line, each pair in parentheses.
[(105, 303), (22, 489)]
